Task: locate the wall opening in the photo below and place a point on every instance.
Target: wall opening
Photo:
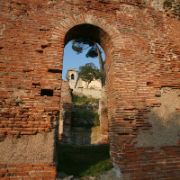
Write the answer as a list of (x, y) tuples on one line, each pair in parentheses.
[(83, 120), (72, 76), (46, 92)]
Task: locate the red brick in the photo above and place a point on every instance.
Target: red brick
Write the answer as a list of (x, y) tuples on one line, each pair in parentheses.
[(142, 56)]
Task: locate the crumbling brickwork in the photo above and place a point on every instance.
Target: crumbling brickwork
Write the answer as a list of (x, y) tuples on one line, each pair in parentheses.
[(65, 113), (27, 171), (142, 46), (103, 116)]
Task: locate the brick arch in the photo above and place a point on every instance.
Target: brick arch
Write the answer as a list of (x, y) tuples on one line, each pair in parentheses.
[(111, 33), (65, 25), (110, 46), (110, 30), (142, 56), (132, 108)]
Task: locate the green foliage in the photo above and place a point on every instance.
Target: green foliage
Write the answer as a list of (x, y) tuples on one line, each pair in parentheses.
[(89, 72), (96, 121), (84, 113), (98, 168), (167, 4), (84, 100), (81, 44), (76, 47), (82, 117), (83, 160), (176, 10), (173, 7), (92, 52)]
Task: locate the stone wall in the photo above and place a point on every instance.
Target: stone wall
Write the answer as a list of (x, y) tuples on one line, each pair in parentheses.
[(103, 116), (164, 119), (91, 93), (28, 157), (78, 135), (142, 57), (82, 88), (65, 113), (87, 136)]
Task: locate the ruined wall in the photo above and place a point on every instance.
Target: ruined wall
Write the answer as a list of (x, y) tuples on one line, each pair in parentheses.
[(87, 136), (103, 116), (65, 113), (28, 157), (91, 93), (142, 57), (164, 119)]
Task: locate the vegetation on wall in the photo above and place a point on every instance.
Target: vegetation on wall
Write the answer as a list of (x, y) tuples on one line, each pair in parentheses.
[(84, 118), (84, 112), (172, 6), (84, 100)]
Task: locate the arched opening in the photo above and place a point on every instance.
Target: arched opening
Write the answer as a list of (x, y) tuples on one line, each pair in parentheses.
[(72, 76), (69, 129)]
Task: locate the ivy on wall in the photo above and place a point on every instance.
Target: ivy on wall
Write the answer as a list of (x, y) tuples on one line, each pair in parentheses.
[(173, 7)]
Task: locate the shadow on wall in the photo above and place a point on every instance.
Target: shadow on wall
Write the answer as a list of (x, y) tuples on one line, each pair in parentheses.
[(164, 121), (164, 131), (74, 129), (80, 136), (65, 123)]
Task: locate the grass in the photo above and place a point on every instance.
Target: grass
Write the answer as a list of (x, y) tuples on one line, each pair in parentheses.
[(84, 113), (83, 100), (83, 160)]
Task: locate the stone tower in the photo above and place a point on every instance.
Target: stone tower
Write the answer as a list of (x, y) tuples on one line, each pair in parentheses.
[(72, 76)]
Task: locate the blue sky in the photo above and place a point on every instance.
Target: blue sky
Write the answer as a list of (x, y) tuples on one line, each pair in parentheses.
[(73, 60)]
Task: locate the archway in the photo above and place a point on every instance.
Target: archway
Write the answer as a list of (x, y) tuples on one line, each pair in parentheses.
[(95, 34)]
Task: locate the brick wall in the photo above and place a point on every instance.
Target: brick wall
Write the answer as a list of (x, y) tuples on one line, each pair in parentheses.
[(103, 112), (27, 171), (142, 57)]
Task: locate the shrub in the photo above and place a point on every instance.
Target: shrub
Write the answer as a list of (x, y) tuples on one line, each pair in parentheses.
[(82, 117)]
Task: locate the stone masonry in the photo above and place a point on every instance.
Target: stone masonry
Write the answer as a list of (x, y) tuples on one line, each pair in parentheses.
[(65, 113), (141, 40)]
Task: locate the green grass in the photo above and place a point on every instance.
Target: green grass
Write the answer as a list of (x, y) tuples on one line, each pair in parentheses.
[(84, 112), (83, 100), (83, 160)]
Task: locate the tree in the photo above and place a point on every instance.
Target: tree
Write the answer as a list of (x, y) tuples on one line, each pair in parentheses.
[(88, 73), (81, 44)]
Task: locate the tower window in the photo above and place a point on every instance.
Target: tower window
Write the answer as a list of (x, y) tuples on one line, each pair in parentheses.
[(72, 76)]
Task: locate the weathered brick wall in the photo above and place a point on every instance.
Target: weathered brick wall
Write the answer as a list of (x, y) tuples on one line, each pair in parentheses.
[(103, 116), (142, 57), (27, 171), (28, 70)]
